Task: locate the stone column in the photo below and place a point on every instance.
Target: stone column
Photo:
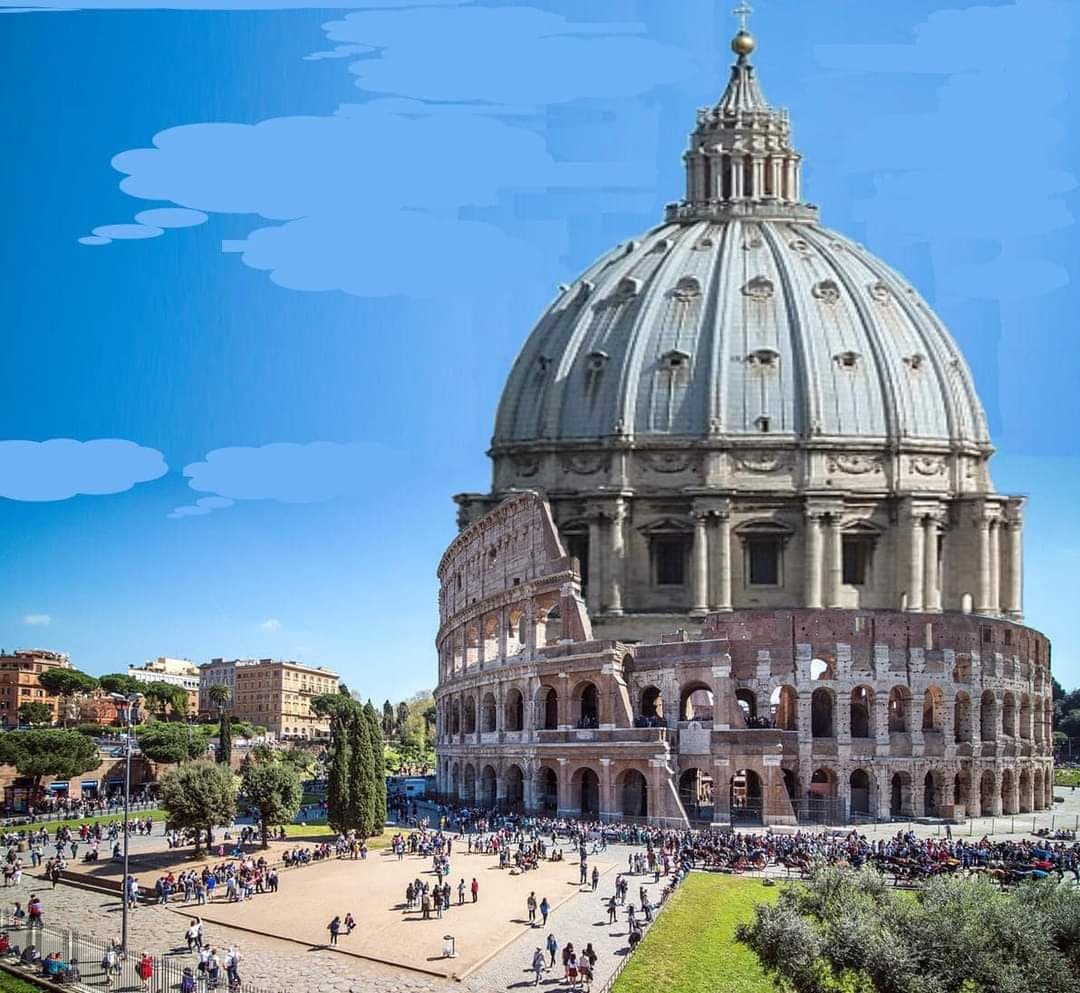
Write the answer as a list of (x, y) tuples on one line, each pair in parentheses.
[(931, 571), (722, 550), (616, 560), (595, 578), (835, 569), (759, 178), (699, 568), (983, 601), (1014, 587), (608, 810), (915, 574), (995, 567), (812, 560)]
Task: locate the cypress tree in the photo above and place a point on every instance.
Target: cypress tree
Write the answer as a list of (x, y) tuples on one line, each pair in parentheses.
[(338, 791), (224, 752), (378, 762), (361, 775)]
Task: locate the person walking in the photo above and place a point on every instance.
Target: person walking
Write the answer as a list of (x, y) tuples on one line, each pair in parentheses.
[(145, 971), (545, 909), (334, 927), (537, 965), (461, 891), (612, 910), (191, 935), (475, 889), (552, 948), (530, 905), (595, 878)]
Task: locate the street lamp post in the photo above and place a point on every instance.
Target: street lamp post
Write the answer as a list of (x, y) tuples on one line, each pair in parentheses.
[(128, 707)]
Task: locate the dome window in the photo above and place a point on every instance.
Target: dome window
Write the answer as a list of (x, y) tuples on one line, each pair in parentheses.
[(759, 288), (801, 247), (703, 245), (629, 287), (763, 358), (596, 361), (662, 245), (676, 360), (880, 292), (826, 291), (915, 362), (687, 288), (631, 247), (763, 423), (847, 360)]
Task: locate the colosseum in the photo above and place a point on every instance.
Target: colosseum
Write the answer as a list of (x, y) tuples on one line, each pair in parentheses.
[(742, 559)]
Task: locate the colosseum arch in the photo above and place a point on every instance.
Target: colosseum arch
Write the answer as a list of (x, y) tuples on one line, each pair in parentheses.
[(933, 791), (488, 713), (514, 711), (784, 704), (988, 798), (1008, 791), (988, 716), (900, 794), (514, 787), (547, 708), (489, 787), (585, 705), (652, 703), (747, 703), (822, 713), (823, 784), (745, 797), (455, 718), (1008, 714), (469, 792), (696, 702), (547, 789), (863, 794), (696, 794), (1025, 717), (862, 712), (962, 790), (899, 709), (1024, 794), (962, 718), (822, 669), (633, 793), (585, 792), (468, 715), (933, 709)]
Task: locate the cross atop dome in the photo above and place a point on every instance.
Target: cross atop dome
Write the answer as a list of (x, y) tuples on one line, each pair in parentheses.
[(743, 43)]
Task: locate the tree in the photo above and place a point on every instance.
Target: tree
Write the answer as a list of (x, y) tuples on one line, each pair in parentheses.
[(164, 698), (224, 749), (48, 752), (120, 682), (69, 685), (361, 809), (171, 743), (378, 770), (35, 712), (849, 930), (402, 716), (389, 720), (273, 789), (198, 796), (220, 696), (338, 785)]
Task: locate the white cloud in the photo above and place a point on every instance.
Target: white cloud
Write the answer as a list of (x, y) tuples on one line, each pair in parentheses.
[(271, 624), (37, 620), (62, 467), (201, 507)]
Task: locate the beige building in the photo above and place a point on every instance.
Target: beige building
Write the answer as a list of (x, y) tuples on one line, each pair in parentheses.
[(175, 672), (275, 694), (759, 568), (19, 682)]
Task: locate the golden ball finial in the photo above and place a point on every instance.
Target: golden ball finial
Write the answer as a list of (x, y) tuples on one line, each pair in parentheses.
[(743, 43)]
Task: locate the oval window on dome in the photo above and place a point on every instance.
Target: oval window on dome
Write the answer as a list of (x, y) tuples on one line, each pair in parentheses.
[(759, 288), (629, 287), (596, 360), (763, 358), (880, 292), (703, 245), (827, 291), (676, 360), (915, 362), (847, 360), (687, 288)]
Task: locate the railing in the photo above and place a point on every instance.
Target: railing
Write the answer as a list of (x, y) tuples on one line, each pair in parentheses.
[(85, 963), (30, 820)]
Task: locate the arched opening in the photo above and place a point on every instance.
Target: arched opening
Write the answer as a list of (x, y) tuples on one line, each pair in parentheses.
[(822, 669), (487, 713), (1008, 792), (1024, 798), (547, 790), (469, 715), (549, 708), (900, 795), (823, 784), (931, 794), (634, 793), (747, 703), (587, 703), (988, 716), (469, 796), (515, 711), (586, 787), (455, 718), (987, 793), (696, 794), (1025, 717), (861, 793), (1008, 715), (746, 797), (652, 706), (1037, 788), (515, 788), (488, 788), (933, 709), (899, 701), (784, 704), (791, 784), (696, 703), (862, 708), (962, 718), (962, 790), (821, 714)]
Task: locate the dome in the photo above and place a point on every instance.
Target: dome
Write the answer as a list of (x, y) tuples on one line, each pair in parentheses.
[(741, 315)]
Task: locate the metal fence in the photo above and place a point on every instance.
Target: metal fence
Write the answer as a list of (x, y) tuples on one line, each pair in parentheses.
[(36, 820), (81, 962)]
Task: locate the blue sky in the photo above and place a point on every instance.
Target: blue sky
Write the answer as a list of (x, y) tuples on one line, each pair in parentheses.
[(281, 256)]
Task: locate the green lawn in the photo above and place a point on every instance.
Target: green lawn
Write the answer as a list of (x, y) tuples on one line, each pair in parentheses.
[(13, 984), (142, 815), (323, 832), (1067, 777), (692, 948)]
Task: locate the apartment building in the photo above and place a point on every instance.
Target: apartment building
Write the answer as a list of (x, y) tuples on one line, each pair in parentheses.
[(175, 672), (19, 682)]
